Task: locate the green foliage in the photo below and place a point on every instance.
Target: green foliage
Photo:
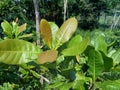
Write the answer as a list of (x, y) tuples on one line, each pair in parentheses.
[(110, 85), (57, 37), (116, 57), (14, 31), (98, 41), (76, 48), (66, 31), (108, 62), (6, 86), (18, 51), (54, 29), (95, 63), (84, 63)]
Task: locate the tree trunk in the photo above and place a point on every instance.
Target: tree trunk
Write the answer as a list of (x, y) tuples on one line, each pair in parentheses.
[(36, 7), (65, 9)]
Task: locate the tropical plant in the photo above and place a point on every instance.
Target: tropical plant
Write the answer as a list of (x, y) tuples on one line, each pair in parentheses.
[(20, 52), (13, 30), (64, 62)]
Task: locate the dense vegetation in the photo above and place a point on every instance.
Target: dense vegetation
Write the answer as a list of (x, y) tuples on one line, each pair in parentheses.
[(80, 53)]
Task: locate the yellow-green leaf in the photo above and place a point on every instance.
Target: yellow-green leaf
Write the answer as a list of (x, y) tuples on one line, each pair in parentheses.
[(46, 33), (47, 56), (66, 30), (22, 28), (26, 35), (76, 48), (7, 28), (14, 51)]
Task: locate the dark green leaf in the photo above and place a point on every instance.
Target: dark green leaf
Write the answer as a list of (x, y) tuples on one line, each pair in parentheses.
[(110, 85), (95, 62), (108, 62)]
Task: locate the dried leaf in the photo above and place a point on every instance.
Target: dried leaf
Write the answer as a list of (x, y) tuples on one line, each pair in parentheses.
[(47, 56), (46, 33), (22, 28)]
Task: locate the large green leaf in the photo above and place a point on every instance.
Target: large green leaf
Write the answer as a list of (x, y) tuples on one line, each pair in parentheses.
[(7, 28), (75, 41), (98, 41), (108, 62), (76, 48), (95, 62), (54, 29), (110, 85), (13, 51), (66, 31), (116, 57), (46, 33), (80, 80), (113, 75)]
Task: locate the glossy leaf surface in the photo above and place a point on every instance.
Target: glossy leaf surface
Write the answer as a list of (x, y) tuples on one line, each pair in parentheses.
[(13, 51), (54, 29), (66, 31), (76, 48)]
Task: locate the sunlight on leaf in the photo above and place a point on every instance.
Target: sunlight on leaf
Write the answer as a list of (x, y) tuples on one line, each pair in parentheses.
[(14, 51), (66, 31), (54, 29), (78, 58)]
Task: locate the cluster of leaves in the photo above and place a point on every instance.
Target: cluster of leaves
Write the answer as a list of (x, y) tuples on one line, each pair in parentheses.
[(85, 62), (22, 9)]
